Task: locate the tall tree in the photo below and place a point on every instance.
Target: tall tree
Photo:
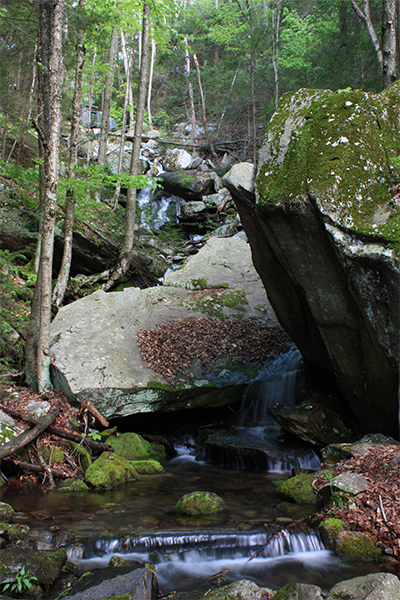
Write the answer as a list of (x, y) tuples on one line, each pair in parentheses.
[(50, 79), (63, 275), (108, 90), (127, 244)]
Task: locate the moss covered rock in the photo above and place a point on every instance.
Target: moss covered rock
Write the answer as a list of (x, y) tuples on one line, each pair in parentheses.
[(73, 485), (133, 447), (110, 470), (323, 226), (297, 489), (200, 503), (6, 512), (355, 546), (147, 466), (330, 529), (299, 591), (82, 455)]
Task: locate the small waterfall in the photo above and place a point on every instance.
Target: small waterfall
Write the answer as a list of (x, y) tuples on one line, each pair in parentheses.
[(183, 559), (282, 384)]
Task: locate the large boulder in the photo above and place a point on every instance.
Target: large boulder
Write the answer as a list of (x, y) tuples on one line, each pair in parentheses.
[(324, 236), (203, 336)]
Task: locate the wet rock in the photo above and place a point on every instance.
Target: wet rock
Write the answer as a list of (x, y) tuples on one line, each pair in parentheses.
[(375, 586), (132, 582), (109, 471), (356, 546), (299, 591), (200, 503), (188, 184), (312, 423), (45, 565), (337, 452), (323, 230), (239, 590)]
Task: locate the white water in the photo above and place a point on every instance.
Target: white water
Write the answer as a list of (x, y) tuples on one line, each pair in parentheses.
[(185, 559)]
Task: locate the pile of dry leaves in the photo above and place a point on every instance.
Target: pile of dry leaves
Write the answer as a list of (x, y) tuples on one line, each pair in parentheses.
[(170, 348), (377, 510)]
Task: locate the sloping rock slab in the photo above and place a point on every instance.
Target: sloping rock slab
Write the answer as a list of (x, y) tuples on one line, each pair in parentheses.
[(94, 345), (375, 586), (138, 583)]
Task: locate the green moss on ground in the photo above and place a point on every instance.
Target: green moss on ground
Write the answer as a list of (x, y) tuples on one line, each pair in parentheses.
[(357, 547), (132, 446), (330, 529)]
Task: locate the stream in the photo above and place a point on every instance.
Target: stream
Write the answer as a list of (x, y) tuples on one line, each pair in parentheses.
[(252, 539)]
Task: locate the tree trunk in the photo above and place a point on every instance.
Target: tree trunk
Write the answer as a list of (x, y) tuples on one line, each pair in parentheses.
[(254, 112), (203, 107), (275, 47), (50, 81), (128, 66), (365, 16), (63, 275), (389, 42), (190, 93), (108, 89), (127, 102), (153, 55), (127, 245)]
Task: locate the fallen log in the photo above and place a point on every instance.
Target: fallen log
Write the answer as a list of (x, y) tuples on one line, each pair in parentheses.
[(30, 434), (21, 464), (62, 433)]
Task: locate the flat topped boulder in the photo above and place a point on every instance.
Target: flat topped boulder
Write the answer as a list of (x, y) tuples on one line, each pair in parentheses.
[(195, 341)]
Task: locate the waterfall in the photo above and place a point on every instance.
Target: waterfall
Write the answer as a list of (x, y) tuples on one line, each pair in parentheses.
[(183, 559), (282, 384)]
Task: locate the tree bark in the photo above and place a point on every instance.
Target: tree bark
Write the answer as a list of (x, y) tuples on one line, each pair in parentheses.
[(50, 78), (365, 16), (152, 59), (128, 66), (190, 93), (203, 107), (108, 89), (389, 42), (127, 245), (63, 275), (30, 434), (275, 47)]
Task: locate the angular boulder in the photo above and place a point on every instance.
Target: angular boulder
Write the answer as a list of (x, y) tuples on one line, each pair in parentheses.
[(324, 236), (95, 348)]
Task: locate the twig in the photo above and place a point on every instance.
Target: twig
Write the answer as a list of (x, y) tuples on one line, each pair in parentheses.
[(46, 468), (384, 517)]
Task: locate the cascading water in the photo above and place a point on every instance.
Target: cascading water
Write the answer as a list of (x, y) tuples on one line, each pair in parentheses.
[(185, 559), (255, 443)]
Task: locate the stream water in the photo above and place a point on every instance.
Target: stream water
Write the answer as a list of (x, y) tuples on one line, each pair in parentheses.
[(138, 521)]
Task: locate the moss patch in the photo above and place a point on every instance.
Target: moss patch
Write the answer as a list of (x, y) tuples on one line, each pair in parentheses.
[(132, 446), (200, 503), (330, 530), (147, 466), (356, 547), (297, 489), (110, 470), (72, 486)]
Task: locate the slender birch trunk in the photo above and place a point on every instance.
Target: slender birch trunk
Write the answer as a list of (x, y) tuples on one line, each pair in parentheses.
[(63, 275), (389, 50), (203, 107), (190, 94), (275, 47), (108, 89), (50, 78), (128, 65), (127, 245), (152, 59)]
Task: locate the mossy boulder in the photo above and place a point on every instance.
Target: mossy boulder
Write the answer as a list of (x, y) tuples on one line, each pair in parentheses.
[(45, 565), (82, 455), (356, 546), (330, 529), (6, 513), (110, 470), (324, 231), (73, 485), (299, 591), (147, 466), (200, 503), (297, 489), (133, 447)]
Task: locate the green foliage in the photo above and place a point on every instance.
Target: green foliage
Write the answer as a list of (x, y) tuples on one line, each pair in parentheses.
[(23, 582)]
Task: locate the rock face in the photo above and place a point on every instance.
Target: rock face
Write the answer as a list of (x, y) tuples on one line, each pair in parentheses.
[(324, 237), (95, 348)]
